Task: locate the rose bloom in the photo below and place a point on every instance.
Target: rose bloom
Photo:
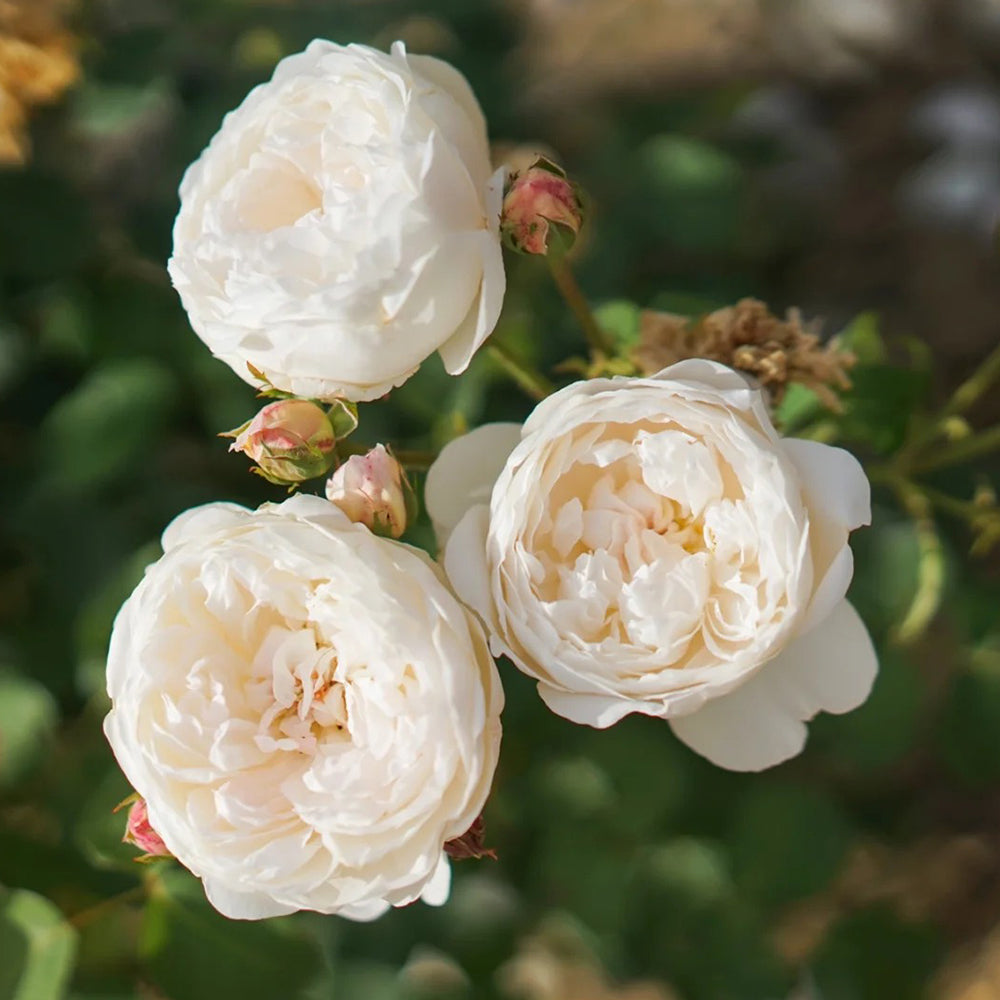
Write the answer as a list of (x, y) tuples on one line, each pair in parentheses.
[(652, 545), (343, 225), (307, 710)]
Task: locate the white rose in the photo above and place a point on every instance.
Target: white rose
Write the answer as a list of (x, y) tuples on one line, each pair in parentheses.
[(651, 545), (343, 225), (307, 710)]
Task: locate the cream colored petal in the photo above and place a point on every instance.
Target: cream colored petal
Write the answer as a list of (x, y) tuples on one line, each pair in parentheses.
[(833, 482), (761, 723), (467, 567), (243, 905), (204, 520), (438, 889), (479, 323), (464, 473), (594, 710), (838, 497)]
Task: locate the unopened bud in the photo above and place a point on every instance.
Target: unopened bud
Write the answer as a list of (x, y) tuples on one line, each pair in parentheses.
[(373, 490), (141, 834), (542, 212), (290, 440)]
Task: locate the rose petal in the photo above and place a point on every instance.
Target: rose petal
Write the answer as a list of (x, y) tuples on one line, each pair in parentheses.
[(464, 473), (239, 905), (466, 564), (479, 323), (438, 889), (838, 497), (198, 521), (588, 709), (760, 724), (833, 482)]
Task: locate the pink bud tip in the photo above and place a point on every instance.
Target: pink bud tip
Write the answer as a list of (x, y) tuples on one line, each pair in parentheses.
[(372, 489), (291, 440), (141, 834), (540, 203)]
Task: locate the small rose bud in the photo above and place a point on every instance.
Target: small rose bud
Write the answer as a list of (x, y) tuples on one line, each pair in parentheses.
[(291, 440), (139, 833), (373, 490), (542, 212)]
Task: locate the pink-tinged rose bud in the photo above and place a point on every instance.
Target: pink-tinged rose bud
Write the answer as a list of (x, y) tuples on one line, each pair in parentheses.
[(291, 440), (542, 212), (139, 833), (373, 490)]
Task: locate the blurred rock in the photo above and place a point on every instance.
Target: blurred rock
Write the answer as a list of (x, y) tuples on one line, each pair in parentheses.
[(557, 963), (840, 39)]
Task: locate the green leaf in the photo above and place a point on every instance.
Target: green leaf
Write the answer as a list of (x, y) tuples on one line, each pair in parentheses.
[(28, 716), (874, 955), (694, 192), (863, 338), (108, 424), (343, 416), (94, 621), (788, 840), (797, 408), (37, 947), (886, 727), (970, 724), (191, 951), (104, 111), (621, 319)]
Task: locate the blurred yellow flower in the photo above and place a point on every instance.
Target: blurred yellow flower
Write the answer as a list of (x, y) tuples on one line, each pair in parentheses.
[(37, 64)]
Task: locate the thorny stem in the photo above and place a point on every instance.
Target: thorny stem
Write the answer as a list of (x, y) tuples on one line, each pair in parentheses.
[(532, 381), (566, 282)]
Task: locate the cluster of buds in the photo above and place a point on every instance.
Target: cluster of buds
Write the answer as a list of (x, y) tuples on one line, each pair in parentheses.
[(373, 490), (293, 440), (542, 210)]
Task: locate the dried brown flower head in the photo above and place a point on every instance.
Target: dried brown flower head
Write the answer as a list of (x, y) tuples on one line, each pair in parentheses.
[(37, 63), (748, 337)]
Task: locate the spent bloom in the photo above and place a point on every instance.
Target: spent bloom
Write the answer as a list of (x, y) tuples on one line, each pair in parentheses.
[(343, 225), (308, 712), (652, 545), (291, 440), (373, 490)]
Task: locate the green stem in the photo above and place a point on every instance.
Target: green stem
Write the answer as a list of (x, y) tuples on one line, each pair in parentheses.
[(930, 567), (98, 910), (961, 451), (962, 399), (532, 381), (975, 386), (566, 282)]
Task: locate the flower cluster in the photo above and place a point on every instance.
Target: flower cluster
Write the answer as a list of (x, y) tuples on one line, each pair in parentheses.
[(308, 707)]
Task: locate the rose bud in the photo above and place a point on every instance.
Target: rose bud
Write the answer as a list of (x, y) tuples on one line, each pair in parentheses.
[(290, 440), (373, 490), (542, 212), (141, 834)]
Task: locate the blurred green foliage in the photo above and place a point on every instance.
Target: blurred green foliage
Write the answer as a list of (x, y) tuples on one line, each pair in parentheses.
[(666, 867)]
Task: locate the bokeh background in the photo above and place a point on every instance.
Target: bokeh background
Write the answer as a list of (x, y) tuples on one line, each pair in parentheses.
[(841, 156)]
